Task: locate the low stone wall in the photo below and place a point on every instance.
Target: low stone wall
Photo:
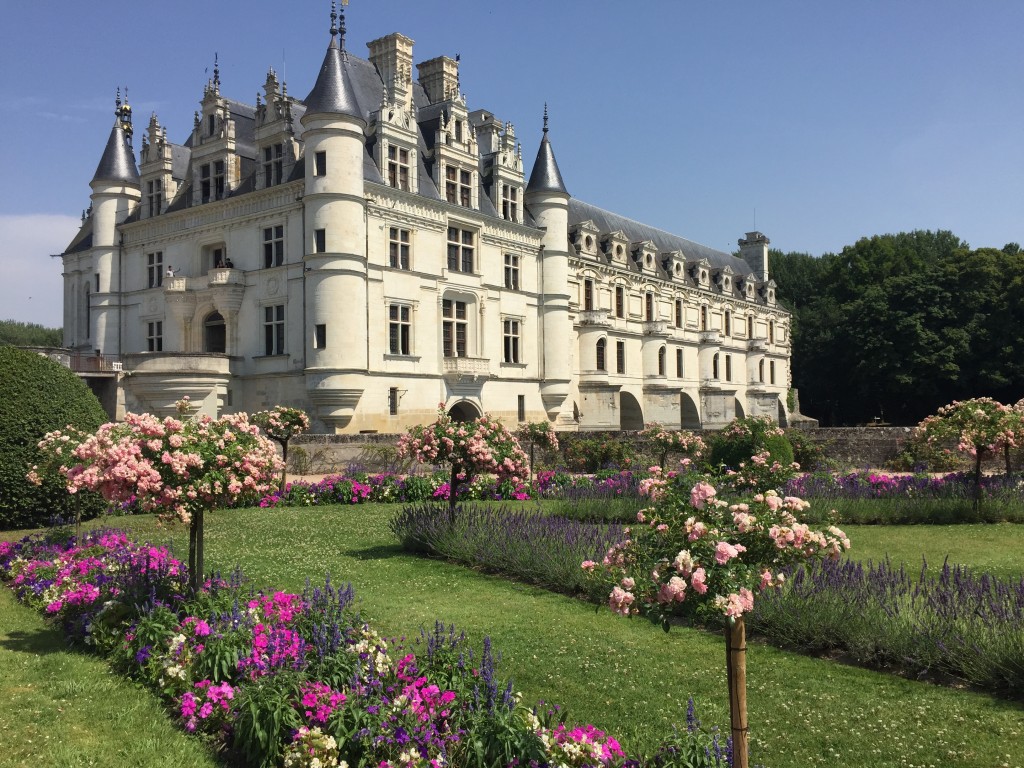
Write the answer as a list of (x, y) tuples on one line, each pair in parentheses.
[(849, 447)]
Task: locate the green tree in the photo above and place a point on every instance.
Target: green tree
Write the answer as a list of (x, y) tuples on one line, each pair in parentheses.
[(29, 334), (39, 396)]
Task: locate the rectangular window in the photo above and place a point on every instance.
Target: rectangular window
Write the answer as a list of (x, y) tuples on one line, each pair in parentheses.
[(588, 295), (453, 328), (398, 168), (273, 330), (509, 202), (620, 301), (218, 180), (319, 241), (217, 258), (679, 313), (155, 196), (728, 367), (399, 329), (458, 186), (511, 272), (273, 165), (649, 307), (398, 248), (393, 401), (320, 163), (727, 323), (155, 336), (510, 334), (679, 363), (771, 371), (620, 357), (319, 336), (273, 246), (155, 269), (460, 250), (204, 183), (521, 408)]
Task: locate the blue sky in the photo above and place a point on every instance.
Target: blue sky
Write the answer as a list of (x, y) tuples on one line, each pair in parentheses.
[(815, 122)]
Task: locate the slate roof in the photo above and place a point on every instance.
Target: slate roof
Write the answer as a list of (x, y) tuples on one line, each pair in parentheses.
[(333, 91), (545, 176), (606, 222), (118, 160)]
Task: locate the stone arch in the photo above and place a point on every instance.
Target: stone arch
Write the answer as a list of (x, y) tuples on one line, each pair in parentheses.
[(738, 405), (690, 415), (464, 411), (631, 415), (215, 333), (783, 417)]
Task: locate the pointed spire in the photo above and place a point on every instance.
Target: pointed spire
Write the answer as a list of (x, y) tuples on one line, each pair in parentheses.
[(333, 90), (118, 160), (545, 176), (216, 71)]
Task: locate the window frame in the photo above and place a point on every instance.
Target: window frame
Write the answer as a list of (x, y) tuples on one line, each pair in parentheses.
[(399, 329), (274, 330), (511, 340), (155, 336), (620, 357), (512, 272), (399, 173), (460, 252), (155, 269), (399, 248), (273, 246), (273, 164), (454, 328)]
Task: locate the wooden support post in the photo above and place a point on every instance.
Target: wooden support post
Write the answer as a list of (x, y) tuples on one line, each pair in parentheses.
[(736, 666)]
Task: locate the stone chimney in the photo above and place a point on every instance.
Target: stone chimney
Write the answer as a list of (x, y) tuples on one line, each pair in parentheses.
[(392, 56), (439, 78), (754, 251)]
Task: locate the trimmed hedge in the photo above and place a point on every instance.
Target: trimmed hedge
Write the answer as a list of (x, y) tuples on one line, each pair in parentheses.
[(39, 396)]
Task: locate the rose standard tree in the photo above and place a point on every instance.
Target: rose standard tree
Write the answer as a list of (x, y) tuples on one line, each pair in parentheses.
[(698, 556), (534, 434), (982, 428), (281, 424), (481, 446), (178, 468)]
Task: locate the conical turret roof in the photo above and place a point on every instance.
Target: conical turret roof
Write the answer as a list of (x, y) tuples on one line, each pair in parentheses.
[(545, 176), (118, 161), (333, 91)]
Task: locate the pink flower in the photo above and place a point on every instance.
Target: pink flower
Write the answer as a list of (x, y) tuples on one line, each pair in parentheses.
[(724, 551), (698, 580), (700, 494), (619, 601)]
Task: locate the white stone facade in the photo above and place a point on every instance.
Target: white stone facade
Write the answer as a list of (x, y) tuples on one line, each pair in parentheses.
[(377, 249)]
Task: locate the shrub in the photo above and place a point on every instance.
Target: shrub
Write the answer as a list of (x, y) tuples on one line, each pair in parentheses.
[(41, 396), (745, 437), (592, 454)]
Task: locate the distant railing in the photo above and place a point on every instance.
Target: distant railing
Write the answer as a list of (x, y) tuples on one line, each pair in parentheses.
[(85, 363)]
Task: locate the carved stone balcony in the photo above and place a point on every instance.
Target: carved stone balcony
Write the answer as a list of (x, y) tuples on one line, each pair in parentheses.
[(659, 328), (594, 317), (709, 337), (458, 368), (757, 345)]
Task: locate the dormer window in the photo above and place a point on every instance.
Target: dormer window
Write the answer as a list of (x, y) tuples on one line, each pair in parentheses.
[(458, 186), (273, 165), (155, 196), (398, 168), (211, 122), (211, 181), (510, 203)]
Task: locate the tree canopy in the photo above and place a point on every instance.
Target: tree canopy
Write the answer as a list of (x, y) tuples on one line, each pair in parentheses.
[(895, 326)]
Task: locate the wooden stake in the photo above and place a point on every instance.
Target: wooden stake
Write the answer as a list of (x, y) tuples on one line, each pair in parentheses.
[(736, 666)]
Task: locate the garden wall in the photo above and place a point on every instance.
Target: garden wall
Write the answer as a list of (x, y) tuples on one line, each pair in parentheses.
[(849, 447)]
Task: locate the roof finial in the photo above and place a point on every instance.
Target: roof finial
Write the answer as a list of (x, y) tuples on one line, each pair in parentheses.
[(341, 26), (545, 117), (117, 104), (334, 18), (216, 70)]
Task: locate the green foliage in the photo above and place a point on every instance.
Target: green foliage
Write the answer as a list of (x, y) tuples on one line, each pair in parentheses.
[(744, 437), (29, 334), (809, 453), (41, 396), (895, 326), (589, 454)]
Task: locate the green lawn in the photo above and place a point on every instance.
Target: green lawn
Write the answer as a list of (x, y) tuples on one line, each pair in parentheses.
[(624, 675)]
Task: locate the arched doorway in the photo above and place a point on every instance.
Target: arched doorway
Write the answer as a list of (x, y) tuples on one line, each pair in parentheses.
[(690, 418), (215, 337), (783, 418), (739, 409), (464, 411), (631, 416)]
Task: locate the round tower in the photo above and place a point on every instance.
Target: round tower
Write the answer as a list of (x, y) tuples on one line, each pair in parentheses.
[(335, 224), (116, 191), (548, 201)]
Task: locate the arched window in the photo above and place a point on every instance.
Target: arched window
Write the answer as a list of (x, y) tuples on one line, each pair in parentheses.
[(661, 361), (714, 366), (600, 355), (215, 337), (760, 371)]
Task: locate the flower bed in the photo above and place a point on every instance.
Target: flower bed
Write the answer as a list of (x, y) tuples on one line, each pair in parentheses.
[(299, 680)]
